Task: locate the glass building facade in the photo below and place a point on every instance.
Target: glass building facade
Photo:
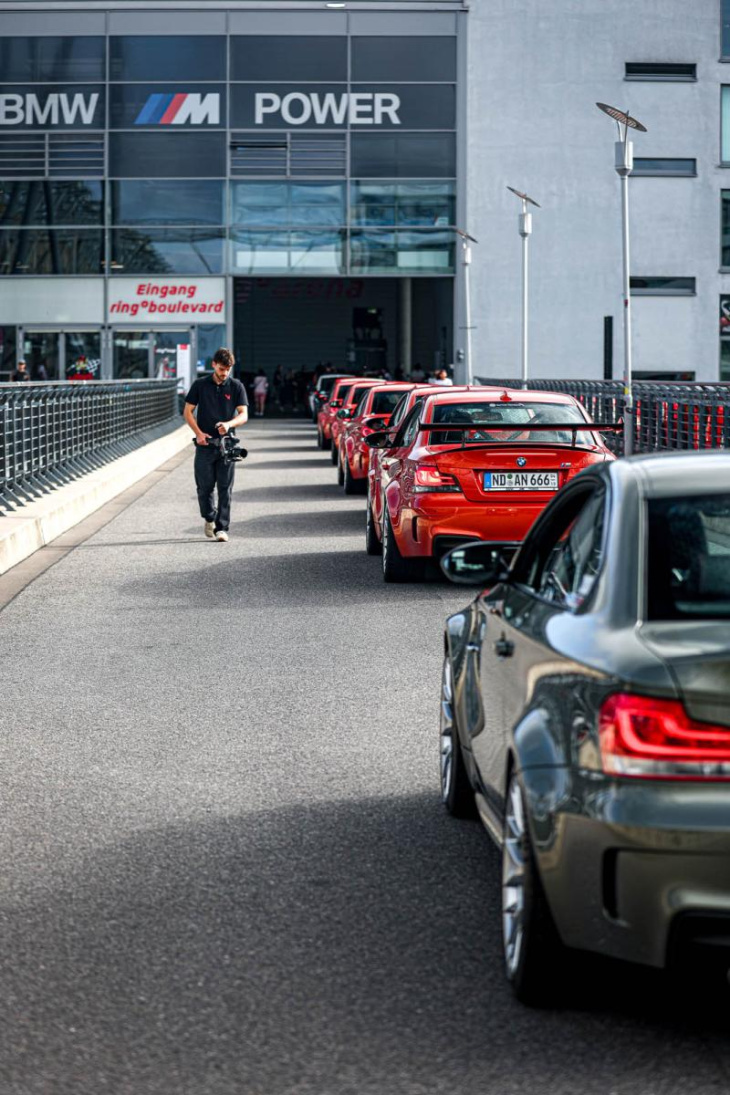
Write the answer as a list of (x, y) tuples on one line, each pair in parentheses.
[(234, 154)]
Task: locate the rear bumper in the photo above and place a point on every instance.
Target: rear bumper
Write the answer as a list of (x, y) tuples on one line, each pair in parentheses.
[(435, 519), (641, 892)]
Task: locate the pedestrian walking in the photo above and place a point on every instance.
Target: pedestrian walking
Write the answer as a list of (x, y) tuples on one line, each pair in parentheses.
[(278, 385), (213, 406), (260, 391), (40, 373), (21, 374)]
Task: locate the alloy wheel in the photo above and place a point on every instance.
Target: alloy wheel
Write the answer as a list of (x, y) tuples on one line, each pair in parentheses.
[(513, 879), (447, 731)]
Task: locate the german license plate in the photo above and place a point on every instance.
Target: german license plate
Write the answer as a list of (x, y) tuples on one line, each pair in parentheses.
[(520, 480)]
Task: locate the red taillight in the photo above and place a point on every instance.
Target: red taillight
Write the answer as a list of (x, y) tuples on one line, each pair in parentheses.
[(656, 739), (430, 479)]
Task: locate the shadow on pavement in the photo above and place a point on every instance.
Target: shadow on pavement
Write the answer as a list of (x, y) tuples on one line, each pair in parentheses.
[(307, 492), (345, 522), (342, 947), (275, 465)]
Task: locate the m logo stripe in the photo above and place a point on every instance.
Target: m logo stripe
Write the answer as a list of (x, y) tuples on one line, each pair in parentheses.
[(153, 109), (169, 116)]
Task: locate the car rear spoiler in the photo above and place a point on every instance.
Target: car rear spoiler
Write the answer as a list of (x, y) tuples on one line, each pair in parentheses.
[(520, 427)]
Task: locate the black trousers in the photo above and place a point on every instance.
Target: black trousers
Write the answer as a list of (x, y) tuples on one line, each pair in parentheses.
[(210, 472)]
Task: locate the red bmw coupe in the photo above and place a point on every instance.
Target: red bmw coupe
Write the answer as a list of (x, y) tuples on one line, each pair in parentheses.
[(478, 465), (327, 412), (373, 413), (347, 411)]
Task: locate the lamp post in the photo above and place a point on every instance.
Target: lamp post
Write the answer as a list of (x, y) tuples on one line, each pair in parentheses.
[(624, 162), (466, 239), (525, 228)]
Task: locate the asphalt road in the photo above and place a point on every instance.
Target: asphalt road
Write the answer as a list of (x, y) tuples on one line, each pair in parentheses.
[(226, 870)]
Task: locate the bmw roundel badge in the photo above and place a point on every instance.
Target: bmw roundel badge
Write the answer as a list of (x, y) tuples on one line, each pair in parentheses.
[(521, 461)]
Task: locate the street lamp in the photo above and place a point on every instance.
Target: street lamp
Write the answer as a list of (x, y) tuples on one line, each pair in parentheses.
[(466, 239), (525, 228), (624, 162)]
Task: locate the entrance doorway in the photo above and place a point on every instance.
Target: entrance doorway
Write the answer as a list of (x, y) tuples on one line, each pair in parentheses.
[(60, 355), (141, 354)]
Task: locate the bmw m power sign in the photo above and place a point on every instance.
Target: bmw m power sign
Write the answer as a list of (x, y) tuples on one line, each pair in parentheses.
[(181, 108)]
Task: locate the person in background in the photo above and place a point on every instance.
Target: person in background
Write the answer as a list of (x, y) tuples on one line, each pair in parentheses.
[(40, 373), (442, 377), (21, 374), (260, 391), (278, 385), (417, 373)]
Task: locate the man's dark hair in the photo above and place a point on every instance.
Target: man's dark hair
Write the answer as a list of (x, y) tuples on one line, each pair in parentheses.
[(224, 357)]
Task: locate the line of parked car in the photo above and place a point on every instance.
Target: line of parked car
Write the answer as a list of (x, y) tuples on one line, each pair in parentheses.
[(585, 714)]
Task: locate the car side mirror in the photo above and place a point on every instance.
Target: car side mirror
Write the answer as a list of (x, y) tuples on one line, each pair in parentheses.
[(376, 424), (475, 564), (343, 413), (378, 440)]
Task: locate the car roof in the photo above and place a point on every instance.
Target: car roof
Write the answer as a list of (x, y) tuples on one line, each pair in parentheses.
[(667, 474), (504, 395)]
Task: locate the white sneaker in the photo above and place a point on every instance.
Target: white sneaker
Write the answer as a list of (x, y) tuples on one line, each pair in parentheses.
[(222, 536), (210, 529)]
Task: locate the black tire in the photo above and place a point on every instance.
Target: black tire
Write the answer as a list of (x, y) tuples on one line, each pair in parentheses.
[(351, 484), (340, 472), (395, 567), (536, 960), (457, 793), (333, 452), (373, 545)]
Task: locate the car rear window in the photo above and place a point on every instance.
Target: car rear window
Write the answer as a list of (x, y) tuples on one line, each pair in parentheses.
[(502, 417), (688, 558), (384, 402), (326, 383), (356, 394), (344, 392)]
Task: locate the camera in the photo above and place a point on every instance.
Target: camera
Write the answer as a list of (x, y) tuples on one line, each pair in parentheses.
[(229, 448)]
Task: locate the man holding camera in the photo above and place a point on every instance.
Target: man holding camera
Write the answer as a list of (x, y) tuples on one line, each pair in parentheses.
[(222, 404)]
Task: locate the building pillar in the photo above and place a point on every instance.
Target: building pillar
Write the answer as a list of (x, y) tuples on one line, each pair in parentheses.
[(405, 317)]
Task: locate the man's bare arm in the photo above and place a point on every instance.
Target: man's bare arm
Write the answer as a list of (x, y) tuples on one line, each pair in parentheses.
[(240, 420), (189, 416)]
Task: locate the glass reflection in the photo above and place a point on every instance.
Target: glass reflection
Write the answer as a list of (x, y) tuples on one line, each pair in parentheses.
[(296, 204), (321, 252), (52, 203), (167, 201), (45, 59), (167, 251), (58, 251), (402, 252), (428, 205)]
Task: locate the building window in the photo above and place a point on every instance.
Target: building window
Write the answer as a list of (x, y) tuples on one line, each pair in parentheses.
[(49, 59), (374, 251), (294, 205), (404, 155), (172, 57), (51, 251), (283, 57), (641, 70), (405, 204), (167, 155), (51, 203), (664, 166), (167, 251), (168, 201), (662, 287), (408, 58), (725, 31), (288, 252)]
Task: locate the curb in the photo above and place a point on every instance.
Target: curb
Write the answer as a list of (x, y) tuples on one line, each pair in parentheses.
[(38, 523)]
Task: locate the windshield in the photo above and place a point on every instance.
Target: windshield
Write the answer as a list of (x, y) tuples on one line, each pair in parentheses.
[(344, 392), (384, 402), (327, 383), (356, 394), (493, 417), (688, 562)]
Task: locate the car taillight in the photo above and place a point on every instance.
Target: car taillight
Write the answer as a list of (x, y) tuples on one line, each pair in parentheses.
[(656, 739), (429, 479)]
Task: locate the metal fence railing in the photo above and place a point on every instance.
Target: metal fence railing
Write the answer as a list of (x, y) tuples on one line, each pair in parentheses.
[(52, 433), (668, 415)]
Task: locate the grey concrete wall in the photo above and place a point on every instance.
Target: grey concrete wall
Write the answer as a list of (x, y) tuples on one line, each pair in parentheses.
[(535, 71)]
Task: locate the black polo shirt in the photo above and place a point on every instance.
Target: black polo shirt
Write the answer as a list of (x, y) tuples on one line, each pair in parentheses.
[(216, 402)]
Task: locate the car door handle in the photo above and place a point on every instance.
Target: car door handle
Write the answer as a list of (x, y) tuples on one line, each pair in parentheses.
[(504, 648)]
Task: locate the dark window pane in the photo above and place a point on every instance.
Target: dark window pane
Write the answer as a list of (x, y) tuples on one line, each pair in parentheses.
[(664, 166), (725, 258), (725, 46), (36, 203), (384, 402), (662, 286), (428, 155), (60, 251), (52, 107), (640, 70), (167, 251), (179, 105), (172, 57), (167, 201), (424, 58), (167, 155), (281, 57), (7, 352), (49, 59), (688, 563)]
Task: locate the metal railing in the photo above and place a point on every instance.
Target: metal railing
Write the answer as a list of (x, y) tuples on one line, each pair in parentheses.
[(668, 415), (52, 433)]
